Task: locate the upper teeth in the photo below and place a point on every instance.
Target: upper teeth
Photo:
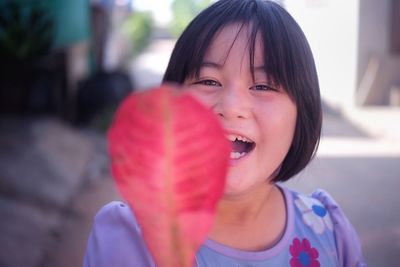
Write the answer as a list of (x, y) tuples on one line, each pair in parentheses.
[(232, 137)]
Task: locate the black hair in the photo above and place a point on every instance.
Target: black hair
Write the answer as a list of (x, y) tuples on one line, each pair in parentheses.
[(288, 62)]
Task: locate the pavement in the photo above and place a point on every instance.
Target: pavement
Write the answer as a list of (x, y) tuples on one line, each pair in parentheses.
[(47, 173), (54, 177)]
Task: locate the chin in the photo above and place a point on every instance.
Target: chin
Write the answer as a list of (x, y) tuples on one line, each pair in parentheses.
[(234, 189)]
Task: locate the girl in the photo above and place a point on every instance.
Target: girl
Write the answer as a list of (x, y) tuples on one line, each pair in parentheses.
[(249, 61)]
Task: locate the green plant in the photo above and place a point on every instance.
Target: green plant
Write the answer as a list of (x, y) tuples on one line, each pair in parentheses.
[(26, 31), (183, 12), (139, 27)]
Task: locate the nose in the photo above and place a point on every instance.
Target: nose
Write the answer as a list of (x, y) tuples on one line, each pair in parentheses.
[(233, 103)]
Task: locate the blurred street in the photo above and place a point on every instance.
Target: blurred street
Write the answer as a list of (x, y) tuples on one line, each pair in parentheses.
[(53, 178)]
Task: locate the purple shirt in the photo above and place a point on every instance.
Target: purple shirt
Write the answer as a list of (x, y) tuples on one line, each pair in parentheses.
[(317, 233)]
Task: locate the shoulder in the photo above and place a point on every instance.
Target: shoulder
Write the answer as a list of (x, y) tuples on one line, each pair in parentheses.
[(113, 213), (115, 239), (116, 221), (347, 241), (321, 212)]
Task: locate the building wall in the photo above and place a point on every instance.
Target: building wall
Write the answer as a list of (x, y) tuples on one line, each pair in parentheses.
[(378, 68), (373, 33), (331, 27), (351, 42)]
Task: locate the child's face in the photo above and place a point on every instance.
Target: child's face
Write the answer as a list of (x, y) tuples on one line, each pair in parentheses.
[(251, 110)]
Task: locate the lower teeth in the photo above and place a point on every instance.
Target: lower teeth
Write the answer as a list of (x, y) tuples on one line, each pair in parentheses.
[(236, 155)]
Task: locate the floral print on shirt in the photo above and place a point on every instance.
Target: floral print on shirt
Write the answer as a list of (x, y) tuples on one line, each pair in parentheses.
[(303, 255), (314, 214)]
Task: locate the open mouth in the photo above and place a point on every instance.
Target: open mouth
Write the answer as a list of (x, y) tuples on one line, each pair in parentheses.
[(241, 146)]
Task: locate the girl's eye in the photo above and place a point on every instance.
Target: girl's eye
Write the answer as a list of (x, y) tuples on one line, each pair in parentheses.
[(263, 87), (208, 83)]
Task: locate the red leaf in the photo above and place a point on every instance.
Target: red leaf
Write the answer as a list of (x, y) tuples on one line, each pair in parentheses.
[(169, 160)]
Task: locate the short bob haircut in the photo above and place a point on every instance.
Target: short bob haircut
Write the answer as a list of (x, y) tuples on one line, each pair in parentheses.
[(287, 58)]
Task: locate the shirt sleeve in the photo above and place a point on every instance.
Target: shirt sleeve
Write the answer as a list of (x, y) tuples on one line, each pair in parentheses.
[(115, 239), (347, 241)]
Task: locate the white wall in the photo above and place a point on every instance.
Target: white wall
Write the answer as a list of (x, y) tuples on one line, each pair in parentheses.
[(374, 31), (331, 27)]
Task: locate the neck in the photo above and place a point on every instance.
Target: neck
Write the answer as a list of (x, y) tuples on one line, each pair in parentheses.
[(246, 207), (241, 220)]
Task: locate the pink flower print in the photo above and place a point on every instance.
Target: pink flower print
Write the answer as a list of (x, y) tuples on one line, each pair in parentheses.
[(303, 255)]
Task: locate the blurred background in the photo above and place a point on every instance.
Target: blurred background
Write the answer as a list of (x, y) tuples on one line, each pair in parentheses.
[(66, 65)]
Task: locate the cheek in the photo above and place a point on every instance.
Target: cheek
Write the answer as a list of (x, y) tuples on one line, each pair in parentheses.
[(279, 122), (288, 127), (289, 118), (286, 114), (206, 98)]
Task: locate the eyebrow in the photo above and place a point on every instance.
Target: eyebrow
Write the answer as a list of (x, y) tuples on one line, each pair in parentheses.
[(210, 64), (215, 65)]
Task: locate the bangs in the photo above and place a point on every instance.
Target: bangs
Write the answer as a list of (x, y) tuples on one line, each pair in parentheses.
[(263, 23)]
